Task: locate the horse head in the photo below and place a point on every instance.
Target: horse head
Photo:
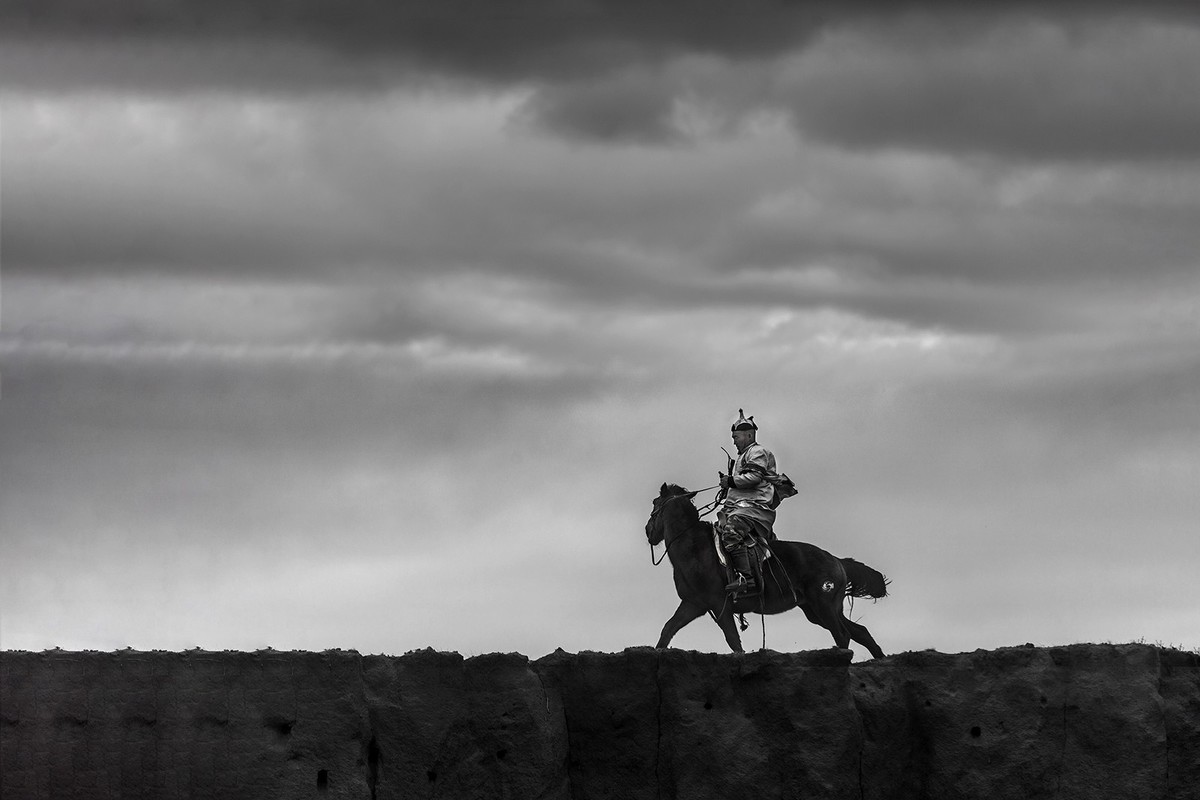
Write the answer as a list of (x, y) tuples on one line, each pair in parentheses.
[(655, 529)]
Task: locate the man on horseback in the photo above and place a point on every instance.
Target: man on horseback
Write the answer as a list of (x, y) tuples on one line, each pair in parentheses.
[(751, 492)]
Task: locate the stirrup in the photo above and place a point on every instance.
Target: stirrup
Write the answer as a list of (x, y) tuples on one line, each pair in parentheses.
[(742, 586)]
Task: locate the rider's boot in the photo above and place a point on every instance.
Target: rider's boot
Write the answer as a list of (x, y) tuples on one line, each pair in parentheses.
[(742, 577)]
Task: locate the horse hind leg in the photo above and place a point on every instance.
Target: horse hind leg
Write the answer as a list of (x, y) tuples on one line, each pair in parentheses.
[(825, 609), (729, 628), (841, 637), (860, 634)]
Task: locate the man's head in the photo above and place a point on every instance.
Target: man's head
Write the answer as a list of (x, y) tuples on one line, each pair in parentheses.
[(743, 431)]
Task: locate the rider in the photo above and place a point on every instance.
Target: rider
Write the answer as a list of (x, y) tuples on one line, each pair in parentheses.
[(752, 491)]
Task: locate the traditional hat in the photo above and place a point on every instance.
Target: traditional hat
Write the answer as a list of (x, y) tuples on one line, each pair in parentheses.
[(744, 423)]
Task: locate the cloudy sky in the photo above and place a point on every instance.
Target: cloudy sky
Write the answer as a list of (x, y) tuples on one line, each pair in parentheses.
[(379, 328)]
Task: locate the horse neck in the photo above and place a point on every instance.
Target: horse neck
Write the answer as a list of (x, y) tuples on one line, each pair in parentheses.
[(679, 528)]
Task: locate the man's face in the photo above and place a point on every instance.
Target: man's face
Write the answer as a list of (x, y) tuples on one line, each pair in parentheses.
[(741, 439)]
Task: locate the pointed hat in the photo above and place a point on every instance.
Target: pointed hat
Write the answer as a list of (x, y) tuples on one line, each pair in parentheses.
[(744, 423)]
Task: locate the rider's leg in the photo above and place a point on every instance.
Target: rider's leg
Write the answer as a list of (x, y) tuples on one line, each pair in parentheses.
[(737, 539), (743, 571)]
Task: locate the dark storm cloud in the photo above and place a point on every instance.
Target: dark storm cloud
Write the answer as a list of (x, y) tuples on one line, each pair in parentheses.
[(264, 45), (73, 231), (1019, 88), (484, 39), (1102, 79), (514, 38)]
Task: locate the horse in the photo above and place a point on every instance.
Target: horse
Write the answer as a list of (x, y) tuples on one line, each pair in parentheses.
[(798, 575)]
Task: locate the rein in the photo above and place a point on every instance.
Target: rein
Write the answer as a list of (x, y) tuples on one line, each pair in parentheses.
[(704, 511), (659, 510), (654, 563)]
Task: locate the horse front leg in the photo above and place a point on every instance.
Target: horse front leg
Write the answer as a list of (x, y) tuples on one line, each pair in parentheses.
[(683, 615)]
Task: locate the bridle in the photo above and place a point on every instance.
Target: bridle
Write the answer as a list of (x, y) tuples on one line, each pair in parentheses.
[(658, 509)]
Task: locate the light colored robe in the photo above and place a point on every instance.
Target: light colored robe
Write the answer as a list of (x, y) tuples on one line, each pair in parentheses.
[(755, 487)]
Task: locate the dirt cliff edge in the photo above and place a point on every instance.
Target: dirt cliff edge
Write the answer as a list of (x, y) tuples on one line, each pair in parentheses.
[(1090, 721)]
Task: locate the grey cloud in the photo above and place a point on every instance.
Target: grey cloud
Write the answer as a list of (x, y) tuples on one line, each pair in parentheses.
[(1110, 89), (938, 264), (1140, 391), (236, 446), (1043, 460), (997, 246), (145, 213), (1106, 81), (160, 387), (533, 39), (79, 235), (629, 226), (1024, 89), (360, 196), (628, 108)]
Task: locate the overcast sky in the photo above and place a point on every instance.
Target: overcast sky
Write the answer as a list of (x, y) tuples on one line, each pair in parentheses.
[(379, 328)]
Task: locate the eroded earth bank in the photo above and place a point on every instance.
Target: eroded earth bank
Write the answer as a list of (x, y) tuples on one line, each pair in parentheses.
[(1081, 721)]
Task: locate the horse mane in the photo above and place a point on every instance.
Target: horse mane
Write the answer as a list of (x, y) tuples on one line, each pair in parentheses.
[(674, 490)]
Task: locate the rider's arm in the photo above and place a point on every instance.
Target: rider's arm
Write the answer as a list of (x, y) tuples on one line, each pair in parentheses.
[(753, 469)]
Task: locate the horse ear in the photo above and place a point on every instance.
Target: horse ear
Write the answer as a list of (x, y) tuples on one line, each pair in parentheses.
[(663, 490), (690, 495)]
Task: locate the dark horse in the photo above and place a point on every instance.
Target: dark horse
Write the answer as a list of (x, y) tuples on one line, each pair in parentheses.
[(798, 575)]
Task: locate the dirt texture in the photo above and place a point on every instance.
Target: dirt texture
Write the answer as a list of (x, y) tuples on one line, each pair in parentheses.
[(1080, 721)]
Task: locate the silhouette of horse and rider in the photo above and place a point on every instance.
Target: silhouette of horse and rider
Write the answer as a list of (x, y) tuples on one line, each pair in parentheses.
[(738, 566)]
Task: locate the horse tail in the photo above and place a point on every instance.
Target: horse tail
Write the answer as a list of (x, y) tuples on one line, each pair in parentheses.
[(864, 581)]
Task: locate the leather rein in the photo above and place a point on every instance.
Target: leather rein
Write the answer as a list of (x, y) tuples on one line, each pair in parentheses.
[(705, 511)]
